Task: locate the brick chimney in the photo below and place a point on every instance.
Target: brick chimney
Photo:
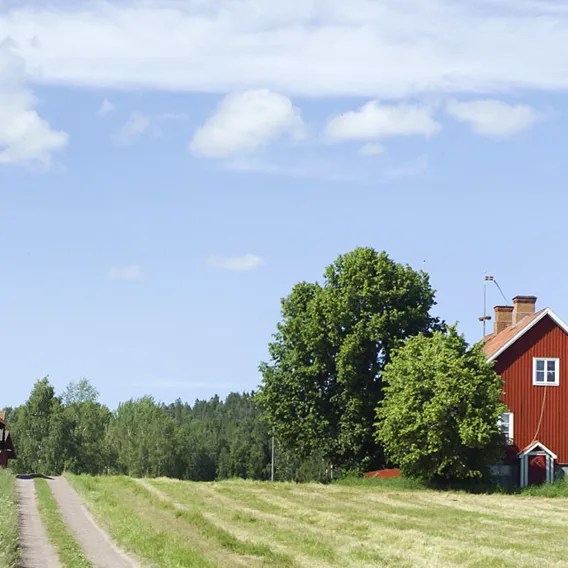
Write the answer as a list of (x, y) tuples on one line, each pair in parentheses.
[(524, 306), (503, 318)]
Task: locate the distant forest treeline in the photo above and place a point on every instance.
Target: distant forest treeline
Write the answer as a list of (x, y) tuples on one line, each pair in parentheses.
[(207, 441)]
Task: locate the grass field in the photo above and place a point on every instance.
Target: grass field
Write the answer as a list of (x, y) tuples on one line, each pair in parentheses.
[(8, 521), (240, 523), (69, 552)]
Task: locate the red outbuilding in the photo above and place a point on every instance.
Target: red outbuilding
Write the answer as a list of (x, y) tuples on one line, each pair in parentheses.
[(530, 352), (7, 451)]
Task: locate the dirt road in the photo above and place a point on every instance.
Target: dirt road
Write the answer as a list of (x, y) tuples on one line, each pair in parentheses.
[(37, 552), (96, 544)]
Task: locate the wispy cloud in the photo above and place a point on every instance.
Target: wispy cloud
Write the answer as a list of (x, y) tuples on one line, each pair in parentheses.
[(263, 166), (131, 272), (371, 149), (106, 108), (494, 119), (344, 170), (236, 263), (139, 124), (416, 167), (134, 127)]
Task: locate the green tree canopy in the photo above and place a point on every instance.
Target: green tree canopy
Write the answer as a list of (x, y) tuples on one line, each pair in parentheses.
[(323, 382), (439, 417), (39, 429), (79, 392)]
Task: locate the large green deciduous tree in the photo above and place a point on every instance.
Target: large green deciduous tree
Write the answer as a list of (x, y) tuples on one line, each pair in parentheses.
[(439, 418), (40, 432), (323, 382)]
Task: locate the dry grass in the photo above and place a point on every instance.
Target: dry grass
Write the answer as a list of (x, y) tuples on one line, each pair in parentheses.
[(237, 523)]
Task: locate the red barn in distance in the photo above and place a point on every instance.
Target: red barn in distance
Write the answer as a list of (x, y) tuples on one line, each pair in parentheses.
[(7, 451), (530, 352)]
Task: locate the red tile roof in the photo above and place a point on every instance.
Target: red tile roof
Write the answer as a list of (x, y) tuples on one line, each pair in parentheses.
[(495, 342)]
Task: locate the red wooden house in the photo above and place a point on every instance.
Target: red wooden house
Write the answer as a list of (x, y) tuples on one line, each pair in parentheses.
[(7, 451), (530, 351)]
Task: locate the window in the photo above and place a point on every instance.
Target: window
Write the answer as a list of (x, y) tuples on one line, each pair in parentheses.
[(546, 372), (506, 423)]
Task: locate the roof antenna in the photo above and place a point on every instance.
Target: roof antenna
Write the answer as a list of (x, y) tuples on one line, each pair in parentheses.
[(485, 318)]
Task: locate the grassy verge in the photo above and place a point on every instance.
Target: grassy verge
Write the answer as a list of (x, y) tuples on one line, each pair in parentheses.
[(556, 489), (9, 555), (70, 553)]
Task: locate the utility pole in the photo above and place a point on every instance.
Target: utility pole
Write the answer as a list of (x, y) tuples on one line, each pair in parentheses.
[(272, 462)]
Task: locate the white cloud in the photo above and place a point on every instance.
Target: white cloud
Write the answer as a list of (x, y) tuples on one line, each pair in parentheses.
[(135, 126), (370, 48), (371, 149), (494, 118), (245, 122), (25, 137), (236, 263), (375, 120), (132, 272), (106, 108)]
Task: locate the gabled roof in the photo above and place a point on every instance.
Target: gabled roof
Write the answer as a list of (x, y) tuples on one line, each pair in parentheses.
[(496, 344), (534, 446)]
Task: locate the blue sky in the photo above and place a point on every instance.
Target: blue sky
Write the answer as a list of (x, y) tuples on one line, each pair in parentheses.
[(169, 170)]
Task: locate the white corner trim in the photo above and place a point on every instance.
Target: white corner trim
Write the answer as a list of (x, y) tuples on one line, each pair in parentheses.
[(532, 447), (547, 312), (511, 427)]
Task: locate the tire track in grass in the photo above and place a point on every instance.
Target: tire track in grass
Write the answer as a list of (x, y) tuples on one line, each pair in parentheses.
[(71, 555), (37, 551), (98, 547)]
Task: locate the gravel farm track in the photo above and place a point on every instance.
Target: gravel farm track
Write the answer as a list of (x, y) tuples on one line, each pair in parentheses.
[(37, 552)]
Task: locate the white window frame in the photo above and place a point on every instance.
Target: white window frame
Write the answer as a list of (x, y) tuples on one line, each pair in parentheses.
[(556, 382), (511, 436)]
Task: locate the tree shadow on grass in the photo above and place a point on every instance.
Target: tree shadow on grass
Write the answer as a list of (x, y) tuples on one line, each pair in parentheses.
[(32, 476)]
